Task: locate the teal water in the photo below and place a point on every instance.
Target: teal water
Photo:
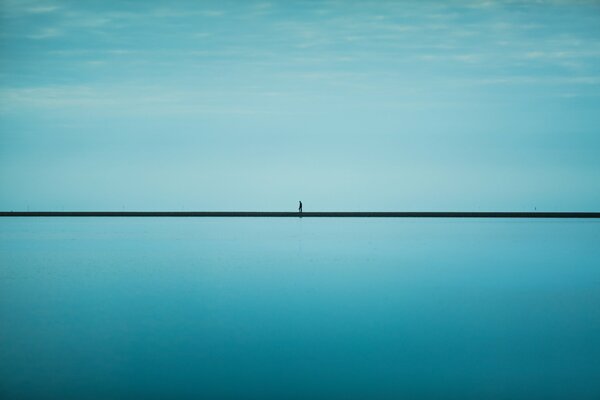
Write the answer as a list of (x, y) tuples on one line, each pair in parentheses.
[(103, 308)]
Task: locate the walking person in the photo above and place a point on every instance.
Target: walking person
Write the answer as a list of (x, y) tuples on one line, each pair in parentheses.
[(300, 207)]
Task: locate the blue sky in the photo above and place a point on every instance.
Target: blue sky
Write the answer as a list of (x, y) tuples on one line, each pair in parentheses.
[(254, 105)]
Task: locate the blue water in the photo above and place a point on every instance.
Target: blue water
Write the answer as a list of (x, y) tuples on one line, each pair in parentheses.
[(109, 308)]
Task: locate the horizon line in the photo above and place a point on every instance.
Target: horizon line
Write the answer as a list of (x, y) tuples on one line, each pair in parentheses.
[(330, 214)]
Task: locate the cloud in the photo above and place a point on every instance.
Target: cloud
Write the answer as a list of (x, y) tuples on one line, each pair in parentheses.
[(325, 43), (136, 100), (28, 6), (571, 82), (47, 33), (41, 9)]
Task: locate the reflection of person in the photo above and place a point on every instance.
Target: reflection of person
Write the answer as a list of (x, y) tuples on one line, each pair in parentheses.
[(300, 207)]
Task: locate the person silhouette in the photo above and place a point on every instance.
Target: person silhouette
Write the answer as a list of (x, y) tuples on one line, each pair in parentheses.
[(300, 207)]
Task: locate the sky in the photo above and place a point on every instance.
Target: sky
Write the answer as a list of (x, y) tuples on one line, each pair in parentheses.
[(474, 105)]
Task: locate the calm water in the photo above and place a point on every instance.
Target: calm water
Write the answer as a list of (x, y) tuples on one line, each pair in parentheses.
[(290, 308)]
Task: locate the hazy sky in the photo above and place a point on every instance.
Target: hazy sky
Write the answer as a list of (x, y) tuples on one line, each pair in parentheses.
[(254, 105)]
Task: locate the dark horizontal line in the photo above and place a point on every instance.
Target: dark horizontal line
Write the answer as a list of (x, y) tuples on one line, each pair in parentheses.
[(334, 214)]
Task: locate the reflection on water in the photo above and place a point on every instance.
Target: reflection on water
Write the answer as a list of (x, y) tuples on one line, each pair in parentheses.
[(299, 308)]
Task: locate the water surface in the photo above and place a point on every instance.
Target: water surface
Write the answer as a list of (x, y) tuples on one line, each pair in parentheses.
[(299, 308)]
